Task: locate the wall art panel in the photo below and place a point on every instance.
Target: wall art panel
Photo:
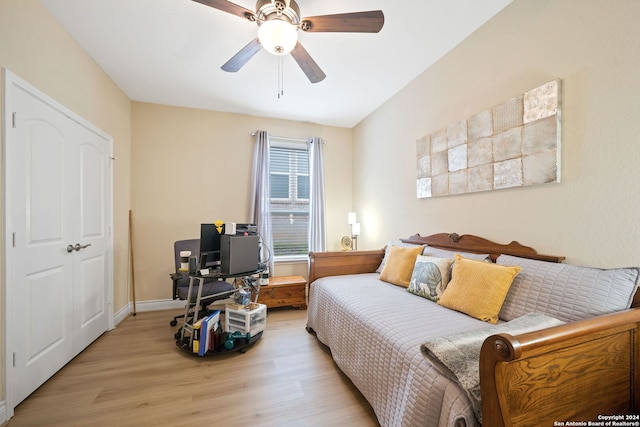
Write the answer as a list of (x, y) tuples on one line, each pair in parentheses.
[(514, 144)]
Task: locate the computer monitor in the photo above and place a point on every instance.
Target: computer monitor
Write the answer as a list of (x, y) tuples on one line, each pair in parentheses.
[(209, 246)]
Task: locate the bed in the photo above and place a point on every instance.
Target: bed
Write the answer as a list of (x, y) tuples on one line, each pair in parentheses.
[(378, 333)]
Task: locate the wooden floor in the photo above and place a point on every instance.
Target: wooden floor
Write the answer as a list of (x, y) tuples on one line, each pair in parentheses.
[(135, 375)]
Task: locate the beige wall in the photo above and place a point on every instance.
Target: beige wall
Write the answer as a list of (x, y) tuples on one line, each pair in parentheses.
[(37, 49), (194, 166), (592, 216)]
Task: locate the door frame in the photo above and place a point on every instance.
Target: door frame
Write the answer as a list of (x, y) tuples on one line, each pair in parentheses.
[(10, 326)]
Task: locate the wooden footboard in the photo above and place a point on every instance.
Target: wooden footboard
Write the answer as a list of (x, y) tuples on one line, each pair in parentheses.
[(578, 372)]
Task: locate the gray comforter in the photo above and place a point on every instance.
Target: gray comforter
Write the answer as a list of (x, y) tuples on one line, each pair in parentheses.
[(375, 331)]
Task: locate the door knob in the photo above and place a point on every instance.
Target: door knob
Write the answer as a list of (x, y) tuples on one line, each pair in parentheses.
[(77, 247)]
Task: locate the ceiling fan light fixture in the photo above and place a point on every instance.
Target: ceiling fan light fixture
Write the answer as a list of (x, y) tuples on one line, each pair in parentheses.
[(278, 36), (278, 24)]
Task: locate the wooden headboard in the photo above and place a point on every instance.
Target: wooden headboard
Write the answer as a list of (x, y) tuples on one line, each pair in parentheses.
[(479, 245), (475, 244), (323, 264)]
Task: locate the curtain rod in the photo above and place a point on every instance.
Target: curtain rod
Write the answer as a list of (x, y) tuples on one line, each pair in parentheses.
[(284, 138)]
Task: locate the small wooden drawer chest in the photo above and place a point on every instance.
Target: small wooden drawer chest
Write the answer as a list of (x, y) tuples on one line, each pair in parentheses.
[(284, 291)]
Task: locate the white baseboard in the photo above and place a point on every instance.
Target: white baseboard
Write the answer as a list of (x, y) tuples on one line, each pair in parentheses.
[(156, 305), (152, 305)]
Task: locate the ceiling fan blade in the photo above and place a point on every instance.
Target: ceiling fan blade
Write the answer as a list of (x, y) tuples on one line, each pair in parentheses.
[(356, 22), (242, 57), (227, 6), (308, 65)]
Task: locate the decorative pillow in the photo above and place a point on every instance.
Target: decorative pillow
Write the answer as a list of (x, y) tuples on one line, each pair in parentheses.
[(387, 248), (478, 288), (430, 277), (399, 265), (565, 291)]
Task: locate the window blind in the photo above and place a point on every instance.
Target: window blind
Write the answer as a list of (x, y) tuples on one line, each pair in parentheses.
[(289, 174)]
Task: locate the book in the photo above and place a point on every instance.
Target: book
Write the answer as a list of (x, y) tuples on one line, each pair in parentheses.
[(214, 334), (215, 338), (196, 336), (209, 324)]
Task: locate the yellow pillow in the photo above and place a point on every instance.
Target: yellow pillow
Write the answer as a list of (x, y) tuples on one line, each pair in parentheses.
[(478, 288), (399, 265)]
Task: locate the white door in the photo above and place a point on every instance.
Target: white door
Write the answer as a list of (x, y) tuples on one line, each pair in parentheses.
[(57, 244), (92, 268)]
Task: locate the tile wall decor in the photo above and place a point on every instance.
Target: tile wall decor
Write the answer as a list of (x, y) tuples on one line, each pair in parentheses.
[(514, 144)]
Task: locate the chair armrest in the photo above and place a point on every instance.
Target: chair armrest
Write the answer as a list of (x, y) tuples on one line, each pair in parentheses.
[(175, 277)]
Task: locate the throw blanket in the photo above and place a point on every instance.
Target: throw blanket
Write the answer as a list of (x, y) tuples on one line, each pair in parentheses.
[(458, 356)]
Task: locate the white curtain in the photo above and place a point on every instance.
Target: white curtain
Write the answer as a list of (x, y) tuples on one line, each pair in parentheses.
[(260, 206), (317, 229)]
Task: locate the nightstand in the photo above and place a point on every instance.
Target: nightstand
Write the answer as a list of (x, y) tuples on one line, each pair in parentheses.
[(284, 291)]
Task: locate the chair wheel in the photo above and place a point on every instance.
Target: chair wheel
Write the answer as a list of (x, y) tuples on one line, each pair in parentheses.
[(173, 322)]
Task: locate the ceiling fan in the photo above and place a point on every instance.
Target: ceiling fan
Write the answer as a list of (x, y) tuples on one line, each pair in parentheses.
[(278, 24)]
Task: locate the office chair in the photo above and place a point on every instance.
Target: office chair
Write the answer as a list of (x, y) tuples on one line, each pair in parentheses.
[(212, 290)]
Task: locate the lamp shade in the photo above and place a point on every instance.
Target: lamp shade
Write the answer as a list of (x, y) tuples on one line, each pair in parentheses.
[(351, 218), (356, 229), (278, 37)]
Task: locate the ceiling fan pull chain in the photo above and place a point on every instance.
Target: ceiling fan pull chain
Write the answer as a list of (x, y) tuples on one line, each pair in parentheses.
[(280, 76)]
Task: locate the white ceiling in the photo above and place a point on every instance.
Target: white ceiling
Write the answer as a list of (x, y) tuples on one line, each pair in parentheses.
[(170, 52)]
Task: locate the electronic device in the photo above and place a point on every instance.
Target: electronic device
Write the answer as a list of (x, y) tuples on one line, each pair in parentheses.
[(230, 228), (239, 254), (246, 229), (209, 246)]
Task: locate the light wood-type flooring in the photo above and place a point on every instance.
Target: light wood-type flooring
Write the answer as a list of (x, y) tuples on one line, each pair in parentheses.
[(135, 375)]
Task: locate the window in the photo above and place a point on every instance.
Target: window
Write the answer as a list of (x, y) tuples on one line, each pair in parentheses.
[(289, 170)]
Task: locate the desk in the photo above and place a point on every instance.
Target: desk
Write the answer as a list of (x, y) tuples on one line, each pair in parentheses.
[(195, 286)]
